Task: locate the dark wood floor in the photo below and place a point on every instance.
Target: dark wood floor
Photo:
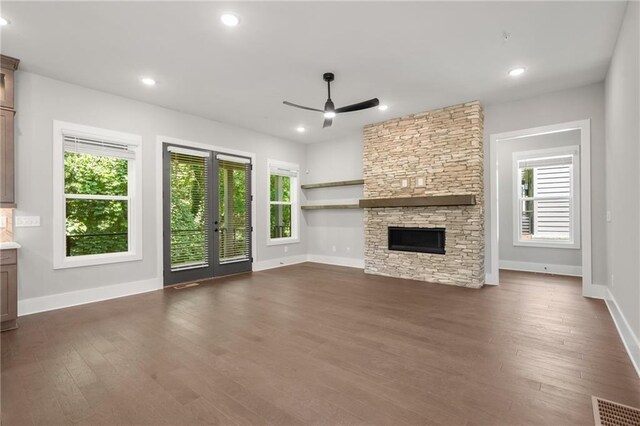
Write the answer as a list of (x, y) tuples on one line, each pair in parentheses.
[(320, 344)]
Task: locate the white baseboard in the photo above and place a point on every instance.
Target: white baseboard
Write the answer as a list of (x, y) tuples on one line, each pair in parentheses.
[(514, 265), (334, 260), (80, 297), (491, 279), (292, 260), (629, 338), (595, 291), (276, 263)]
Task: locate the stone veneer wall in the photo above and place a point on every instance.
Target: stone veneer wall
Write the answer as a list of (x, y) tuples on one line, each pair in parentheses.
[(445, 147)]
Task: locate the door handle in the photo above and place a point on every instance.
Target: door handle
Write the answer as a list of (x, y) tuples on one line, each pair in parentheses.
[(215, 230)]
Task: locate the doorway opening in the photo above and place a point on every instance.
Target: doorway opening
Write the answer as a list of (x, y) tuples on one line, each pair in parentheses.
[(540, 203)]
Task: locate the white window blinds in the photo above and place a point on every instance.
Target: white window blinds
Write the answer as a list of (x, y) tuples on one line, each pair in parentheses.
[(283, 170), (95, 146), (546, 162)]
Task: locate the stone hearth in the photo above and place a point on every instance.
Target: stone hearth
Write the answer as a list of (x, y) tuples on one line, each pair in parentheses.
[(429, 154)]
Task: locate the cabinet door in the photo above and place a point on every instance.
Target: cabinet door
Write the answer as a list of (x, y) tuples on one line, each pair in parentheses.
[(7, 195), (6, 88), (8, 293)]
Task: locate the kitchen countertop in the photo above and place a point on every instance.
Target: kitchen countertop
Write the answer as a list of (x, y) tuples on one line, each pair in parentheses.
[(9, 245)]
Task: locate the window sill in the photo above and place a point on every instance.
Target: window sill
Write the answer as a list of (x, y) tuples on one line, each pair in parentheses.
[(547, 244), (282, 241), (94, 260)]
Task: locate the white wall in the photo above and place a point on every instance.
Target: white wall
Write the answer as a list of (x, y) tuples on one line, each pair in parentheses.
[(552, 108), (339, 229), (40, 101), (623, 177), (557, 259)]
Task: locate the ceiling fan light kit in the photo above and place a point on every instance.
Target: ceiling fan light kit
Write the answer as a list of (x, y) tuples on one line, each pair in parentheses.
[(330, 111)]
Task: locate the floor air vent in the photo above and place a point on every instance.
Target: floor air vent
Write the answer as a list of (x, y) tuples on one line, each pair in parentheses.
[(183, 286), (609, 413)]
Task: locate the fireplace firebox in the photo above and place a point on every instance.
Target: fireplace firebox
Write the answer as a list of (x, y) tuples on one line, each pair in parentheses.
[(423, 240)]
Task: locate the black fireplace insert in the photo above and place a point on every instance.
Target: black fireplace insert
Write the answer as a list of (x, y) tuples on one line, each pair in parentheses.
[(423, 240)]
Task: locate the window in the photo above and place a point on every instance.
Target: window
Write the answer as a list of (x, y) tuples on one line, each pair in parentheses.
[(283, 202), (547, 191), (97, 216)]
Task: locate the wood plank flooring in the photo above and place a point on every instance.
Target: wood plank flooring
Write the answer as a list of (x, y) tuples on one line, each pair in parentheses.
[(317, 344)]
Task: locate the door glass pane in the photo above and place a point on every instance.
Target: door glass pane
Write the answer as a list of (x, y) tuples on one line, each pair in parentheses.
[(234, 207), (96, 226), (189, 212)]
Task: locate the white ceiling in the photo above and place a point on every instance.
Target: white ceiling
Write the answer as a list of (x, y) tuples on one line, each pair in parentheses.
[(414, 56)]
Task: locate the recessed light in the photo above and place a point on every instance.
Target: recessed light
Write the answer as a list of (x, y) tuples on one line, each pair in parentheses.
[(329, 114), (229, 19), (3, 22), (148, 81), (516, 71), (300, 129), (383, 107)]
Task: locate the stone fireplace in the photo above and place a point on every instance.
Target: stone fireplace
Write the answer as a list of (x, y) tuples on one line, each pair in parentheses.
[(425, 171)]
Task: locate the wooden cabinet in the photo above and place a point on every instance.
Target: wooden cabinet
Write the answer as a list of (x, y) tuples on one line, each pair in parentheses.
[(8, 258), (7, 165), (7, 111), (8, 289), (6, 82)]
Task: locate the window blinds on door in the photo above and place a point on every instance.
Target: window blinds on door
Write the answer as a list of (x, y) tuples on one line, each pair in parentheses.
[(234, 209), (189, 209)]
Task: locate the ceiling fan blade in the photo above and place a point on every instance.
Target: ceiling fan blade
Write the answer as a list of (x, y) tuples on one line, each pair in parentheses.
[(359, 106), (327, 122), (302, 107)]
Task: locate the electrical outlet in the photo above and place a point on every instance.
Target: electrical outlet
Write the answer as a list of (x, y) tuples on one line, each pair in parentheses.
[(333, 249), (420, 182), (27, 221), (3, 221), (286, 249), (404, 183), (608, 216)]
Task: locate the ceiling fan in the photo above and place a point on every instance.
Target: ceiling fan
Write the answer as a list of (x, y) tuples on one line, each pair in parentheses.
[(330, 110)]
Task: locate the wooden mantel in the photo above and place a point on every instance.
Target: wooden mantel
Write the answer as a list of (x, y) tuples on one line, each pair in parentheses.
[(436, 200)]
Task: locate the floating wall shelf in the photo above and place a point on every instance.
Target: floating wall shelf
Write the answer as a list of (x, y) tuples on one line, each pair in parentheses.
[(436, 200), (330, 206), (331, 184)]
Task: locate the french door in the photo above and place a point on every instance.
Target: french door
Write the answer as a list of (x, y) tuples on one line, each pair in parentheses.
[(206, 214)]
